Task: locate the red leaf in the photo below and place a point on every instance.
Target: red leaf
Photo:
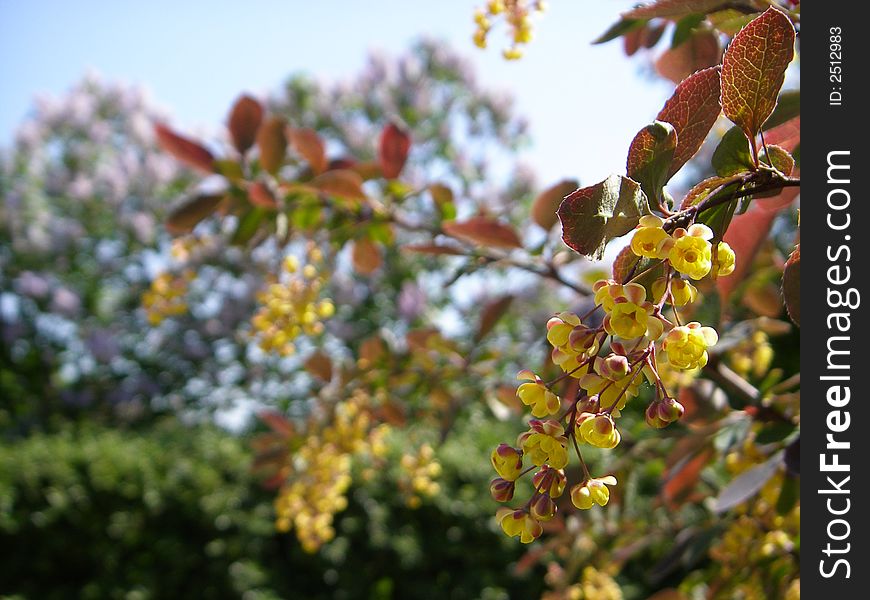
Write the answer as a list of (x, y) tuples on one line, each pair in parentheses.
[(484, 231), (692, 110), (186, 150), (277, 422), (700, 51), (319, 365), (490, 315), (683, 477), (393, 150), (244, 121), (272, 142), (745, 235), (340, 182), (753, 70), (547, 202), (309, 145)]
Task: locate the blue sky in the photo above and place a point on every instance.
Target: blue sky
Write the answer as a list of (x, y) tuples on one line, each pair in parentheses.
[(585, 103)]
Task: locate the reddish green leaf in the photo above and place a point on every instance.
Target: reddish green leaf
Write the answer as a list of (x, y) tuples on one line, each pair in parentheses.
[(319, 365), (184, 149), (245, 118), (310, 147), (342, 183), (650, 156), (753, 70), (260, 195), (547, 202), (788, 106), (692, 110), (434, 249), (594, 215), (706, 187), (729, 21), (366, 256), (393, 150), (277, 423), (791, 285), (491, 314), (272, 142), (673, 8), (484, 231), (700, 51), (778, 158), (185, 215)]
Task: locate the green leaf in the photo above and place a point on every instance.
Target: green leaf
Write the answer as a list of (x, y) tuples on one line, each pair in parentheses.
[(753, 70), (729, 21), (619, 29), (672, 8), (791, 285), (789, 494), (775, 432), (732, 155), (685, 27), (185, 215), (650, 156), (692, 110), (248, 225), (788, 106), (594, 215)]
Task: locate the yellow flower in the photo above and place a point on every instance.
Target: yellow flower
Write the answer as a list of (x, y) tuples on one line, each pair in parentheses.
[(545, 443), (692, 251), (626, 320), (598, 430), (592, 491), (686, 346), (519, 523), (682, 292), (507, 462), (725, 259), (501, 490), (650, 240), (559, 328), (536, 395)]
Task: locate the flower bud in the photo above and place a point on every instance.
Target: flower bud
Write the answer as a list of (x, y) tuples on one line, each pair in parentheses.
[(502, 490), (543, 508)]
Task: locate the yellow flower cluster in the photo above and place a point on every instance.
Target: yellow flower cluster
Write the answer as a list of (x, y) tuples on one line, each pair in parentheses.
[(517, 14), (595, 585), (320, 472), (418, 476), (165, 297), (752, 355), (291, 306), (689, 251), (608, 360)]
